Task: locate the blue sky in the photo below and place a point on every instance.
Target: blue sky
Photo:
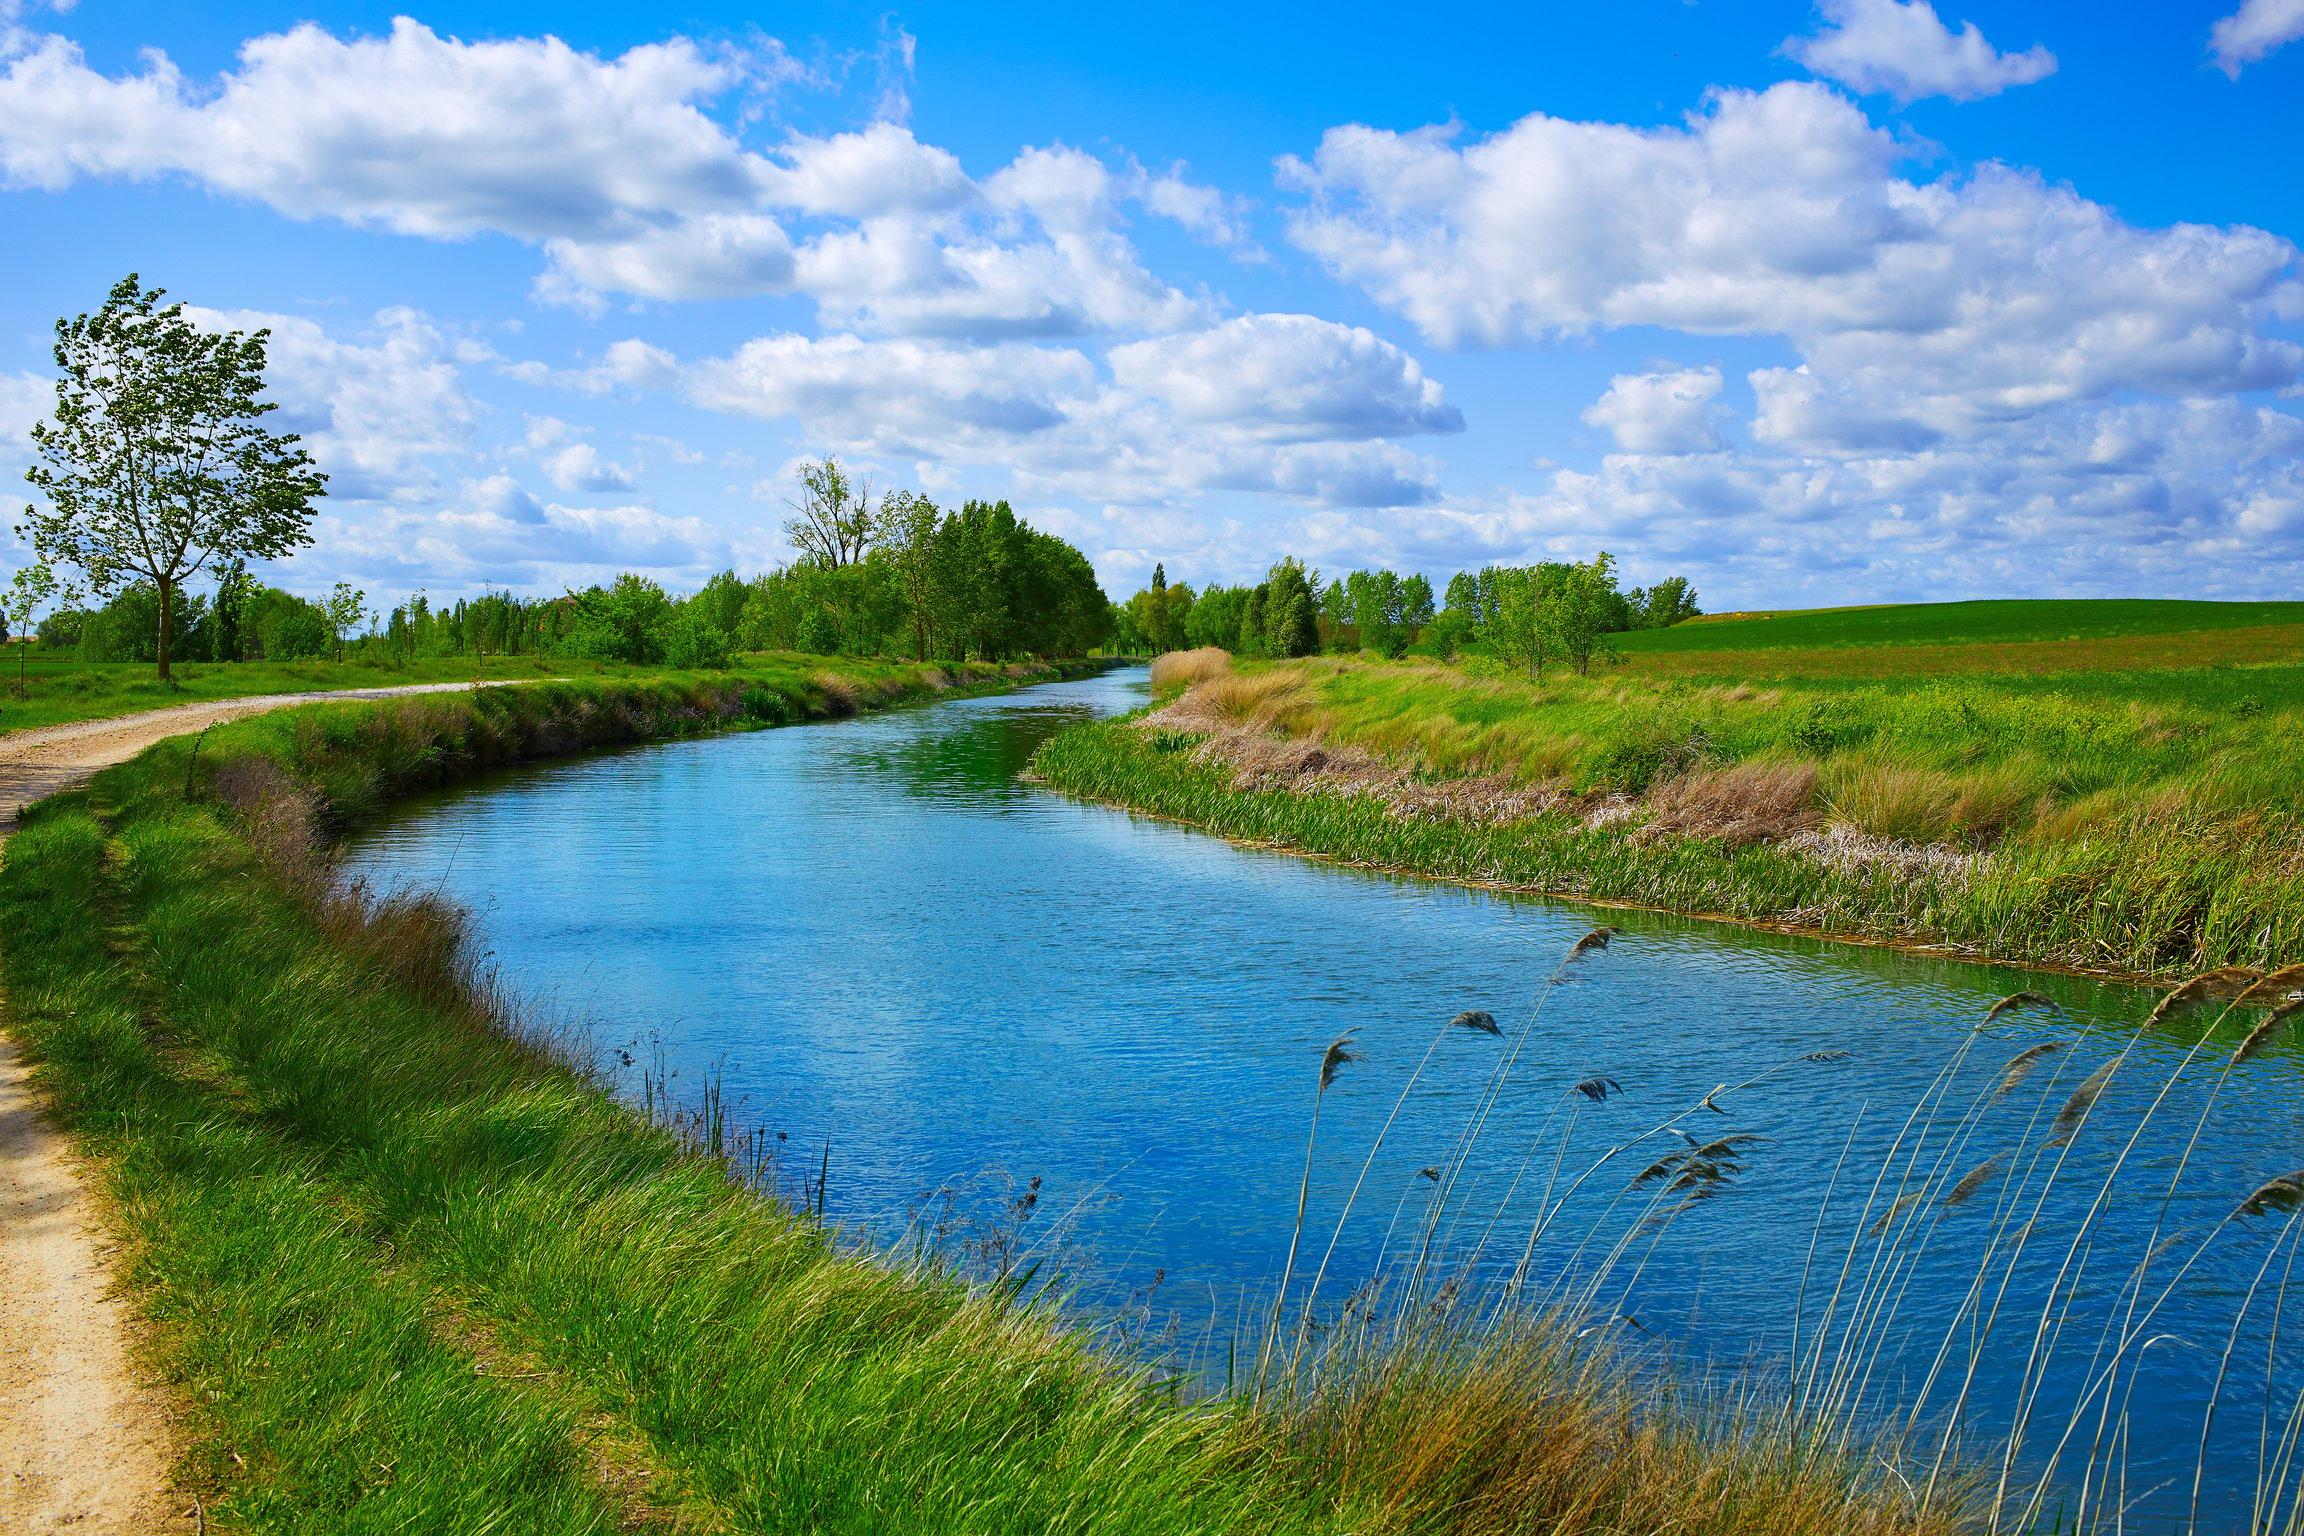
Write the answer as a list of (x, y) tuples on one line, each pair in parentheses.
[(1866, 302)]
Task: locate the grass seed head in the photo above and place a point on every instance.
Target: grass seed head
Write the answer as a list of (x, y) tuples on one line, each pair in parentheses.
[(2020, 1067), (1477, 1018), (2018, 1000), (1334, 1059)]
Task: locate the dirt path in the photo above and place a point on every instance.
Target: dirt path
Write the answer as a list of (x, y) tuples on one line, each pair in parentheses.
[(85, 1441)]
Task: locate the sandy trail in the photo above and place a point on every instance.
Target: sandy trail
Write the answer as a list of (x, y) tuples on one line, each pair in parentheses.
[(86, 1442)]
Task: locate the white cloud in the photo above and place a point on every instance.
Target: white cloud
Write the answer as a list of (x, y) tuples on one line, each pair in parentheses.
[(496, 533), (615, 168), (1041, 414), (411, 132), (1288, 376), (374, 414), (24, 399), (2090, 501), (1779, 213), (1206, 213), (2254, 30), (1040, 256), (1661, 412), (1901, 48)]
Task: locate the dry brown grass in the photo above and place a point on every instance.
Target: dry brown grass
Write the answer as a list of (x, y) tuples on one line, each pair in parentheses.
[(1253, 701), (1181, 669), (1746, 803)]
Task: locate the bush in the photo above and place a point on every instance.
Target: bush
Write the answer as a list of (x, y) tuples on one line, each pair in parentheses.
[(693, 640)]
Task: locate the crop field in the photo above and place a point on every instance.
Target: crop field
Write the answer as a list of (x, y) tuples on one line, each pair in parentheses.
[(2012, 638)]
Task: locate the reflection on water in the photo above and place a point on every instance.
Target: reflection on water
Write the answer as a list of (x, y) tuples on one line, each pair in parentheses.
[(890, 947)]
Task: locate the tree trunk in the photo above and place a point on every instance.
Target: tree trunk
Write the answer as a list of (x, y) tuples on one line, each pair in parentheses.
[(167, 618)]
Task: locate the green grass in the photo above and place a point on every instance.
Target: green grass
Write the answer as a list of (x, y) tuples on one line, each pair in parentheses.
[(2145, 838), (61, 691), (412, 1272), (1972, 623)]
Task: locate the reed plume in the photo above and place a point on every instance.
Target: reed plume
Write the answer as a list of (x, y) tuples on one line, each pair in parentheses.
[(2020, 1067), (2262, 1034), (1332, 1061), (2083, 1100), (2017, 1000), (2284, 1193), (1597, 1089), (1476, 1018), (1975, 1179)]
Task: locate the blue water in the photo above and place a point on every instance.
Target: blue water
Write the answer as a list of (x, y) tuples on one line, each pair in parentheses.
[(939, 984)]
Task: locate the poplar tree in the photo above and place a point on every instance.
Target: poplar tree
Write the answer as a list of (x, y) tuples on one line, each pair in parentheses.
[(155, 462)]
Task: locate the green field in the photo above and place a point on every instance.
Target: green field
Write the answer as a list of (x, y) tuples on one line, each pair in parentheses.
[(2000, 622)]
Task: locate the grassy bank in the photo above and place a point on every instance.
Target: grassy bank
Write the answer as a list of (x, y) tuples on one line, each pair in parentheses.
[(2145, 824), (410, 1270), (61, 692)]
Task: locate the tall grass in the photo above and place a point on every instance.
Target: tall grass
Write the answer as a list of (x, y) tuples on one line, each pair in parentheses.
[(2011, 1412), (2073, 832)]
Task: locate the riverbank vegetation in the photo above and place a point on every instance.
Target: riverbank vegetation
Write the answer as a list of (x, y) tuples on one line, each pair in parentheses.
[(411, 1268), (2144, 823)]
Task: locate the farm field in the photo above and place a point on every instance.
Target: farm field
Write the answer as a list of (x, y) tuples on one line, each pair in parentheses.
[(2014, 638)]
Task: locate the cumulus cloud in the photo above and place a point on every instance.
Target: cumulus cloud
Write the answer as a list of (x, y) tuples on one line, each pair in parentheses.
[(1043, 415), (375, 413), (571, 464), (411, 131), (2096, 500), (615, 167), (494, 532), (1900, 47), (1288, 376), (1661, 412), (2254, 30), (1933, 305)]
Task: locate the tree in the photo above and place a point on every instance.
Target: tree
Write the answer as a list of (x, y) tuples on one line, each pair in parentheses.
[(623, 622), (32, 588), (155, 461), (1291, 610), (1662, 605), (904, 534), (1582, 609), (1515, 627), (344, 611), (834, 527)]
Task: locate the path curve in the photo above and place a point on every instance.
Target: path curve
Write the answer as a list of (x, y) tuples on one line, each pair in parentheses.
[(86, 1441)]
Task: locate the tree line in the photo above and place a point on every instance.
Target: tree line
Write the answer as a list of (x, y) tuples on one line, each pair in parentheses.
[(1529, 615), (157, 468)]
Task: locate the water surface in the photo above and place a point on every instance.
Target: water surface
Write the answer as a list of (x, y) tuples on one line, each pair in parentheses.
[(939, 984)]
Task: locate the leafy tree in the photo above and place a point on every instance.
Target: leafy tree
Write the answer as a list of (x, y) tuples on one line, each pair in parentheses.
[(623, 622), (1662, 605), (1416, 601), (1253, 640), (1380, 605), (904, 534), (1215, 617), (155, 461), (31, 589), (345, 611), (1516, 628), (234, 586), (1582, 608), (1291, 609), (834, 526)]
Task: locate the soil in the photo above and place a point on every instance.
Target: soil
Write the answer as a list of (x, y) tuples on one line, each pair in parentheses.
[(87, 1437)]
